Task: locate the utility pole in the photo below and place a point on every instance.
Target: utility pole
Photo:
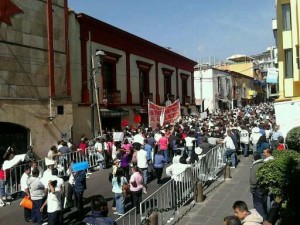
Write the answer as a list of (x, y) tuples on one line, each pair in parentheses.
[(92, 89)]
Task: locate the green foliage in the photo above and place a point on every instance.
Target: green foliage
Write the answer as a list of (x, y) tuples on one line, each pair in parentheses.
[(293, 139), (281, 177)]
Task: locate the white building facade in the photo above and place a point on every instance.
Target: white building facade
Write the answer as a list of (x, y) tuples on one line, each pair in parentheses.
[(213, 89)]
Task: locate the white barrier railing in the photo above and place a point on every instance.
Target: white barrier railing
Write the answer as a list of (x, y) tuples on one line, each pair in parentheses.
[(167, 200), (130, 218), (62, 164), (173, 195)]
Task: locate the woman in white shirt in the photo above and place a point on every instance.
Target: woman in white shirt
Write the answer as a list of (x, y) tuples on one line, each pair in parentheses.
[(53, 204), (117, 184)]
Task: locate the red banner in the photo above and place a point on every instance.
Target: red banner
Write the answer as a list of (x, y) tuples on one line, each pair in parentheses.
[(163, 115)]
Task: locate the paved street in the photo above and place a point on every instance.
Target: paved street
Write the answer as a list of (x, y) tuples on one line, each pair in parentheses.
[(219, 202), (211, 212), (97, 184)]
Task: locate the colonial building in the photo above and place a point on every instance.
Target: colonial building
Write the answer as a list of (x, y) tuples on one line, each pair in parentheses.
[(35, 92), (131, 72), (50, 88)]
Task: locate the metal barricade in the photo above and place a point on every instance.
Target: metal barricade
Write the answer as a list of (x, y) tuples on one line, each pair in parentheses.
[(176, 193), (163, 198), (129, 218), (62, 163)]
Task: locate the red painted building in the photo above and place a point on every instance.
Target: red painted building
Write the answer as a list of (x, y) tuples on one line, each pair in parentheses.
[(132, 71)]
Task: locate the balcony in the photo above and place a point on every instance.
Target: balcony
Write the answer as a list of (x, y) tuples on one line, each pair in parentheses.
[(112, 97), (147, 97)]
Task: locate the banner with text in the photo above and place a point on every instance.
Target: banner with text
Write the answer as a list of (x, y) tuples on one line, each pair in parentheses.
[(163, 115)]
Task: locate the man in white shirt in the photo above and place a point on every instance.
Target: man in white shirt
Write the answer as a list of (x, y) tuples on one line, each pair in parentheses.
[(230, 149), (60, 182), (244, 140), (189, 142), (25, 191), (142, 162), (254, 137)]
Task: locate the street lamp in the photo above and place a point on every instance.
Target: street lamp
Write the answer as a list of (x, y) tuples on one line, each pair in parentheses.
[(94, 90)]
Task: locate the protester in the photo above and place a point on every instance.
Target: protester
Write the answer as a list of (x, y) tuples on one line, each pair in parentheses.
[(244, 140), (53, 203), (163, 145), (257, 194), (142, 164), (136, 187), (231, 220), (117, 183), (25, 191), (3, 194), (230, 149), (159, 162), (247, 217), (79, 188), (37, 192), (10, 153), (99, 212)]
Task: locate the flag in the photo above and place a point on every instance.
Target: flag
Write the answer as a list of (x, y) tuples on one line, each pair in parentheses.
[(163, 115)]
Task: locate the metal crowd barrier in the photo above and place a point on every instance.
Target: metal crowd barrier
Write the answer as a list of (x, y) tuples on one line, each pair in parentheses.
[(130, 218), (62, 163), (176, 193), (209, 164)]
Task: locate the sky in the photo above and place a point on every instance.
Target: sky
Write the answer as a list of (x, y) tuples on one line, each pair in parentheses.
[(201, 30)]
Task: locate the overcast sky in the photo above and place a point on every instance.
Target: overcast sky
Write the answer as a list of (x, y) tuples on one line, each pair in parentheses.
[(197, 29)]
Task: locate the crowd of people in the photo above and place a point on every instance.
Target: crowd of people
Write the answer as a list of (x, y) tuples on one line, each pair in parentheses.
[(144, 150)]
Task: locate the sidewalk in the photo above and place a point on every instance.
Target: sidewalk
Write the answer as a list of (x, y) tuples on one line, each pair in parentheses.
[(218, 203)]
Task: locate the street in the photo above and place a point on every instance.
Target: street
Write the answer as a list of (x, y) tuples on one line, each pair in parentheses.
[(97, 184)]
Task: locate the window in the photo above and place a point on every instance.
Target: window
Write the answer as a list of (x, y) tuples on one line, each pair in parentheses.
[(288, 65), (108, 76), (167, 82), (184, 78), (286, 17), (144, 69), (143, 85)]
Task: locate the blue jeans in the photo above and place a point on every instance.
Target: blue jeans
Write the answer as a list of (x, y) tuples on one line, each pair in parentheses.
[(189, 150), (119, 203), (145, 175), (2, 188), (258, 202), (231, 153), (36, 215), (166, 155), (245, 149)]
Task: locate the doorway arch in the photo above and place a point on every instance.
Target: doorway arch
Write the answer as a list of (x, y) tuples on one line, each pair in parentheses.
[(13, 134)]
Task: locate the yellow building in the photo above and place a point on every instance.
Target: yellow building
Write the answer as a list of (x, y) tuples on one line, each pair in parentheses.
[(288, 28)]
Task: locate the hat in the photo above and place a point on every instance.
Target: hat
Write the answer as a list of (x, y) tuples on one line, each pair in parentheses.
[(198, 150), (256, 130)]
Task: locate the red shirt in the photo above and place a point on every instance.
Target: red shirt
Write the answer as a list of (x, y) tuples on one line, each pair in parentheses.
[(83, 147), (2, 174), (163, 143), (281, 147)]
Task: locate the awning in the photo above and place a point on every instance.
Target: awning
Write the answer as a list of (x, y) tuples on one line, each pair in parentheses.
[(141, 110), (114, 112)]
